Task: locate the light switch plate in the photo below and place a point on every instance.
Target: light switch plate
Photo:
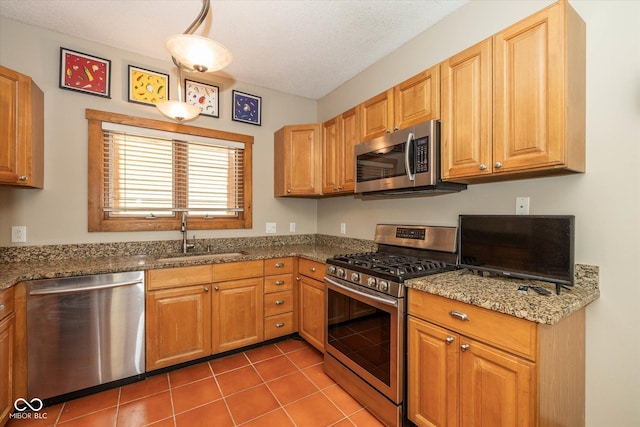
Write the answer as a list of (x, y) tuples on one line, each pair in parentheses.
[(292, 227), (271, 228), (343, 228)]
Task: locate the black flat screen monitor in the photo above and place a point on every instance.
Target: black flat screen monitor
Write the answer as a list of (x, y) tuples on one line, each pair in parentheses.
[(539, 247)]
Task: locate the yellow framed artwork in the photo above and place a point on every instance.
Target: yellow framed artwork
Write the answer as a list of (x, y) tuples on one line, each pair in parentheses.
[(147, 87)]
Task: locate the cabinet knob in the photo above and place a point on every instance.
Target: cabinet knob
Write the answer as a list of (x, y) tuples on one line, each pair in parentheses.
[(216, 288), (395, 128), (387, 130), (335, 188), (279, 265), (23, 178), (279, 324), (339, 187), (483, 167), (279, 301), (498, 165), (279, 282), (459, 315), (1, 307), (449, 340), (206, 289), (288, 190), (313, 269), (297, 278), (464, 347)]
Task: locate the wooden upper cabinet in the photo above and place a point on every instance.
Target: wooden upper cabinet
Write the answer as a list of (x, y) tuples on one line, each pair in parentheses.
[(376, 116), (539, 103), (513, 106), (297, 165), (21, 130), (466, 112), (417, 99), (339, 137)]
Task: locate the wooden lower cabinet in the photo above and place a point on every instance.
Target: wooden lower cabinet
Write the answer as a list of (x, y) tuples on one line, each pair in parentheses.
[(311, 314), (491, 369), (237, 314), (7, 334), (178, 325)]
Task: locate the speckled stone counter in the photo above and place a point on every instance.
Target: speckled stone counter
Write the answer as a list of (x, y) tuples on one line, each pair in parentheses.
[(14, 272), (501, 294)]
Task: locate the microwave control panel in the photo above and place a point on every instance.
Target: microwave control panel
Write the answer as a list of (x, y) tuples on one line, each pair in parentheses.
[(422, 154)]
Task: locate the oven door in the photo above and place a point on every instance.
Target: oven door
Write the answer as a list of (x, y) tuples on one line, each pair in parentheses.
[(365, 331)]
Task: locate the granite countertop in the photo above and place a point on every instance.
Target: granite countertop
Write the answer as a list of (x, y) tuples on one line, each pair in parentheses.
[(501, 294), (14, 272)]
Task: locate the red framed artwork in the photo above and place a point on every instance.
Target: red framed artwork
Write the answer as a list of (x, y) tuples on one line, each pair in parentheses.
[(85, 73)]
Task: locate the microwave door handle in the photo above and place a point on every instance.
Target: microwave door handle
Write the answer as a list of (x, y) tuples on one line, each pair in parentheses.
[(407, 163)]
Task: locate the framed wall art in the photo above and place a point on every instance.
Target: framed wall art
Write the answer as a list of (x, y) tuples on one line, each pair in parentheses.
[(247, 108), (203, 95), (147, 87), (85, 73)]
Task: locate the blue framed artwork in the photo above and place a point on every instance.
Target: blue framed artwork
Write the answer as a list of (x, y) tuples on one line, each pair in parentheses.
[(247, 108)]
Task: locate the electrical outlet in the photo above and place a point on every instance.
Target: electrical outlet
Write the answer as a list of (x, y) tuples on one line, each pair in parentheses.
[(522, 206), (343, 228), (18, 233), (292, 227), (271, 228)]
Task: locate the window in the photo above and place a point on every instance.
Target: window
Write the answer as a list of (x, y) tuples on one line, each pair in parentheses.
[(143, 174)]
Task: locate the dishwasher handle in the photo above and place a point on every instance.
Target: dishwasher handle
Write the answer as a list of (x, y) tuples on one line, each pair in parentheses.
[(66, 289)]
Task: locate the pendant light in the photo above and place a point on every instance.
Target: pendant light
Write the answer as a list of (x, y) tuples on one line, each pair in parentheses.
[(197, 54)]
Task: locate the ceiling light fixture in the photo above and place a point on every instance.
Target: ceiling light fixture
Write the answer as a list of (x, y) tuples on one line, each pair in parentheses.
[(193, 53)]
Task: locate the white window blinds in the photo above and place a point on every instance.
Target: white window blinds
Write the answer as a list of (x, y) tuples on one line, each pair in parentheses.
[(155, 173)]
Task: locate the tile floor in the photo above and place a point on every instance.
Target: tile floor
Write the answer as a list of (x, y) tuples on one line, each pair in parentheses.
[(277, 385)]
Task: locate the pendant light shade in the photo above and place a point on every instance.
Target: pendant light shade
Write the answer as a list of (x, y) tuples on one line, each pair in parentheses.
[(198, 53), (178, 110)]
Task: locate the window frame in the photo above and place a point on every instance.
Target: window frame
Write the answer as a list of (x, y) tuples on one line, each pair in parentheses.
[(99, 220)]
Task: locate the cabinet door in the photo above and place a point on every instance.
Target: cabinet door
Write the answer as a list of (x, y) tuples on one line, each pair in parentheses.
[(330, 155), (496, 388), (238, 314), (376, 116), (432, 380), (466, 130), (7, 331), (529, 103), (418, 98), (312, 312), (178, 325), (349, 137), (297, 161)]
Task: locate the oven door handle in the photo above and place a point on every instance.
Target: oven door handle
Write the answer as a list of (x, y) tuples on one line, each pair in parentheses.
[(386, 301), (407, 163)]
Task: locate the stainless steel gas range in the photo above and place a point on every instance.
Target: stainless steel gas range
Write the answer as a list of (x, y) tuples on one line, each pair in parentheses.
[(365, 315)]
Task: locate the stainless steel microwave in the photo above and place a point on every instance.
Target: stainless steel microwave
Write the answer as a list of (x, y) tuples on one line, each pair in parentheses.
[(402, 163)]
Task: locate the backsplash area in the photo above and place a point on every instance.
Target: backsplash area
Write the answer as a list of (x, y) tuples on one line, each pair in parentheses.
[(161, 247)]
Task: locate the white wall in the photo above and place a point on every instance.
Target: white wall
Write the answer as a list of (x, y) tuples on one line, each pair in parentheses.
[(58, 213), (605, 200)]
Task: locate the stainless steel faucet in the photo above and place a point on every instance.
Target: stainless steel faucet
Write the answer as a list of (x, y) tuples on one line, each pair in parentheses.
[(183, 228)]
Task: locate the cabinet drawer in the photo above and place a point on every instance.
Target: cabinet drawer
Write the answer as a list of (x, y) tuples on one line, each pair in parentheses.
[(278, 303), (179, 276), (278, 325), (237, 270), (6, 302), (509, 333), (312, 269), (278, 266), (279, 283)]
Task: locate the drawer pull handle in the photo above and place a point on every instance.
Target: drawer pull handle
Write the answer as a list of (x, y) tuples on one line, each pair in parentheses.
[(459, 315), (313, 269), (279, 302), (280, 265), (279, 324), (279, 282), (449, 340), (464, 347)]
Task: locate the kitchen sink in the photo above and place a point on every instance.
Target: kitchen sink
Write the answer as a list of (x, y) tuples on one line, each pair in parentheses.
[(199, 256)]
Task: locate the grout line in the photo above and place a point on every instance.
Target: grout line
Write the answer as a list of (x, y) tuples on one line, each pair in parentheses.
[(173, 409), (115, 420)]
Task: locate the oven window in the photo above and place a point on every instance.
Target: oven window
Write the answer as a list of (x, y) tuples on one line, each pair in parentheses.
[(386, 163), (360, 332)]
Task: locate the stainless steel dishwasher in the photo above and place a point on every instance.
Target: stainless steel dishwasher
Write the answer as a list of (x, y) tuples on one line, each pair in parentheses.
[(84, 331)]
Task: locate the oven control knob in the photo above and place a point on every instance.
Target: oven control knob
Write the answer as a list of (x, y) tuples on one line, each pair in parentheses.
[(331, 269), (384, 286), (355, 277), (341, 272), (372, 282)]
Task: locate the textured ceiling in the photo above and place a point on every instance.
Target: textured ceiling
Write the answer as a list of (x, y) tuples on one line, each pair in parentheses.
[(301, 47)]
